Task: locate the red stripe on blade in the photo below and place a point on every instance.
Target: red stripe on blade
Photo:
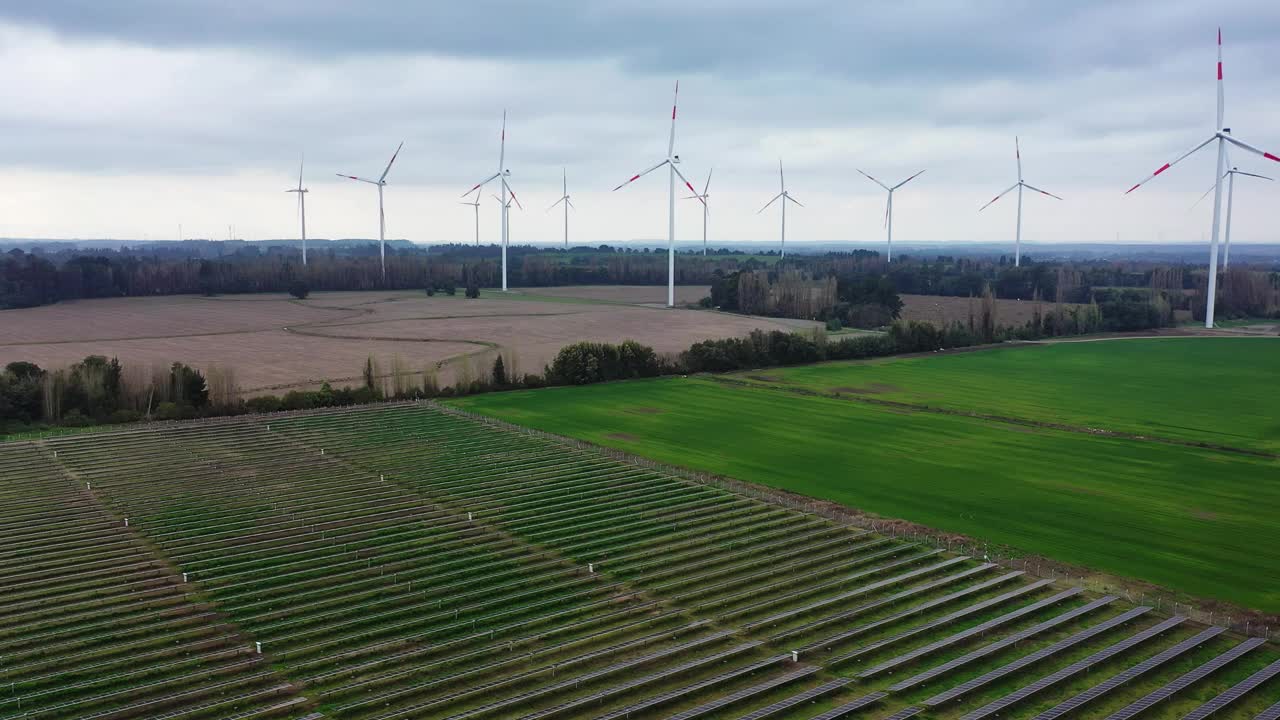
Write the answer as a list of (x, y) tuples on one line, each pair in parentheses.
[(1135, 187), (1219, 71), (695, 192), (1162, 169), (634, 178)]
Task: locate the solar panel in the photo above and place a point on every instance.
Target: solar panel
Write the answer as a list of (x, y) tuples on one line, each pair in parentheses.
[(797, 699), (1271, 713), (744, 693), (849, 707), (948, 619), (990, 624), (1197, 674), (905, 713), (1027, 691), (1003, 643), (667, 697), (1125, 676), (1028, 660), (1236, 692)]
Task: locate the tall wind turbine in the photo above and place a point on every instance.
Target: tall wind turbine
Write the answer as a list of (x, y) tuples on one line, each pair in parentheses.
[(1017, 243), (302, 210), (1231, 192), (671, 162), (784, 196), (503, 204), (705, 209), (888, 208), (564, 198), (475, 205), (381, 182), (1223, 136)]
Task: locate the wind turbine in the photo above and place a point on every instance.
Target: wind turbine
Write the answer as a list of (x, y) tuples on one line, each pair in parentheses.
[(671, 162), (503, 203), (1231, 192), (705, 209), (564, 198), (381, 182), (302, 210), (784, 196), (1017, 245), (1223, 136), (475, 205), (888, 208)]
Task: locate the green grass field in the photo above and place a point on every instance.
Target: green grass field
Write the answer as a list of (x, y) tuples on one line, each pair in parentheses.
[(1193, 520)]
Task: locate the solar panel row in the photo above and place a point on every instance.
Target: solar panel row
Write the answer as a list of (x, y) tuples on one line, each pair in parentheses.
[(1271, 713), (862, 702), (1035, 657), (1027, 691), (1235, 692), (1195, 675), (797, 699), (966, 634), (744, 693), (1125, 676), (666, 697)]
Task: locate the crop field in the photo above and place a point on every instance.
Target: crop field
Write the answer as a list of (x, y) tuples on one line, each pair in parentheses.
[(404, 561), (275, 343), (1191, 519)]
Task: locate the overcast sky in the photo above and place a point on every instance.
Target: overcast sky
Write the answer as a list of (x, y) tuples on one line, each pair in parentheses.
[(124, 119)]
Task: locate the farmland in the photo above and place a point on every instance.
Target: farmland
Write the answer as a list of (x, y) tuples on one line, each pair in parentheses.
[(1194, 520), (401, 561), (275, 343)]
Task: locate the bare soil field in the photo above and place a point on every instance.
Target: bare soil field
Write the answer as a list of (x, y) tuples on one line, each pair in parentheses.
[(944, 310), (275, 343)]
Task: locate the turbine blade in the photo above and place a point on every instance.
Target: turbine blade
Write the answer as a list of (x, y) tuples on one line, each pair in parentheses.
[(1241, 172), (887, 205), (391, 162), (353, 177), (481, 184), (1006, 192), (1017, 151), (766, 205), (675, 100), (1222, 102), (707, 187), (513, 193), (300, 164), (1250, 148), (904, 182), (1166, 166), (1202, 197), (641, 174), (554, 204), (1042, 192), (502, 143), (569, 203), (787, 196), (687, 183), (782, 180), (886, 187)]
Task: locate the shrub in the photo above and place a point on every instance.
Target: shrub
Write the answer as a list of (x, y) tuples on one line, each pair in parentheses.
[(263, 404), (299, 289)]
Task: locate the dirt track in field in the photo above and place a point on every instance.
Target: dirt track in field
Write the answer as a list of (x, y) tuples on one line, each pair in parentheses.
[(275, 343)]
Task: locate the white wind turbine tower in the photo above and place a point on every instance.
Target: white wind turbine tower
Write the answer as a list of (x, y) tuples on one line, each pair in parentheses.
[(564, 198), (302, 210), (381, 182), (888, 208), (1231, 193), (503, 203), (671, 162), (1017, 243), (1223, 136), (475, 205), (784, 196), (705, 209)]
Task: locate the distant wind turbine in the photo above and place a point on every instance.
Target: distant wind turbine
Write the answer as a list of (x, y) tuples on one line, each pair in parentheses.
[(784, 196), (564, 198), (475, 205), (888, 208), (381, 182), (1231, 192), (1017, 243), (671, 162), (302, 210), (705, 209), (1223, 136), (504, 205)]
